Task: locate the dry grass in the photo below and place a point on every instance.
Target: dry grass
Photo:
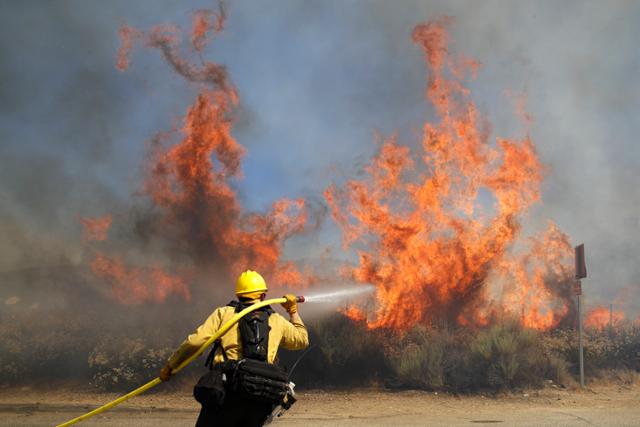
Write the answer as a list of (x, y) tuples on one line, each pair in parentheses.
[(122, 363)]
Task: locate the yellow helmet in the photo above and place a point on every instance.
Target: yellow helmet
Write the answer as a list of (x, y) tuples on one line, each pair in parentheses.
[(250, 282)]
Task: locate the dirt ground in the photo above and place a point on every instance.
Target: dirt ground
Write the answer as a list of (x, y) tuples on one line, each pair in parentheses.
[(612, 405)]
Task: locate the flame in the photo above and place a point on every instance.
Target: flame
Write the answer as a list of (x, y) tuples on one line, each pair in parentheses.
[(96, 229), (422, 225), (188, 181), (127, 37), (537, 283), (202, 25), (599, 318), (355, 313), (135, 285)]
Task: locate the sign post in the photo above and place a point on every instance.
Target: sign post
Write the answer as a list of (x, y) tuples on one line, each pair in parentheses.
[(581, 273), (610, 322)]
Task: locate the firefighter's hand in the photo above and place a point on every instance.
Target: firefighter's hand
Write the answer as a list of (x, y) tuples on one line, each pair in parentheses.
[(291, 305), (165, 373)]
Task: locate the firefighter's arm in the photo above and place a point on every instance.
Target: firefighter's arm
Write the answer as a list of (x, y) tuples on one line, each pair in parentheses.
[(294, 333), (192, 343)]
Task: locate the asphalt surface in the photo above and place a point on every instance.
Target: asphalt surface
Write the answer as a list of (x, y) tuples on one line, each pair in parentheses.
[(47, 416), (610, 407)]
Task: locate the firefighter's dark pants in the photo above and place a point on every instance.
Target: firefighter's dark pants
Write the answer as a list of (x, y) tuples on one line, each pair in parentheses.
[(236, 411)]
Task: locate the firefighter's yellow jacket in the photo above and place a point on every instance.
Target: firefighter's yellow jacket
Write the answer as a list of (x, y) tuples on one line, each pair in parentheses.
[(291, 335)]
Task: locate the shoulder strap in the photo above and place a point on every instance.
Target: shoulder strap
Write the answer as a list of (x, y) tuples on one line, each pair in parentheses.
[(239, 306), (235, 304), (217, 345)]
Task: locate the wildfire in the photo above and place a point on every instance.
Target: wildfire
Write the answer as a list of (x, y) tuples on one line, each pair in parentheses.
[(424, 230), (355, 313), (536, 285), (188, 181), (203, 24), (127, 37), (135, 285), (600, 317), (185, 183), (436, 231), (96, 229)]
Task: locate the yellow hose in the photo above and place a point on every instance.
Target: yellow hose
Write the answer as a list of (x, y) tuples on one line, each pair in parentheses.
[(223, 330)]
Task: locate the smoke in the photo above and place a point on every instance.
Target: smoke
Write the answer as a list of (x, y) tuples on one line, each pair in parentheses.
[(314, 82), (60, 124)]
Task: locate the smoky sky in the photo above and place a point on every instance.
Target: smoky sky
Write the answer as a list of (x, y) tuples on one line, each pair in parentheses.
[(316, 80)]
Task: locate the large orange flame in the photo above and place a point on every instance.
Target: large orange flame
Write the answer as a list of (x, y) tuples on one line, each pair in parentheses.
[(188, 182), (422, 224), (194, 190)]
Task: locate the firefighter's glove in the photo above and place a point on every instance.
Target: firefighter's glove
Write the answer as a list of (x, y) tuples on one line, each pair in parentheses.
[(291, 305), (165, 373)]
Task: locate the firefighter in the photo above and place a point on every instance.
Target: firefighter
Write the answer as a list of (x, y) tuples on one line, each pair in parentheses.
[(243, 341)]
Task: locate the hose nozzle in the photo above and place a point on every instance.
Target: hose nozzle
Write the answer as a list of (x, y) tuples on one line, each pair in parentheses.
[(299, 298)]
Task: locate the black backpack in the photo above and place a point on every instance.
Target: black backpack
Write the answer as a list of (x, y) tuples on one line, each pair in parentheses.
[(252, 376), (254, 331)]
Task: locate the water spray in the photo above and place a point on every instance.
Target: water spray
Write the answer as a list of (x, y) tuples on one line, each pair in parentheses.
[(336, 296)]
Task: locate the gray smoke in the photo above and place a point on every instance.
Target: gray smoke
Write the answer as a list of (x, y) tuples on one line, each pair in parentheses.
[(315, 80)]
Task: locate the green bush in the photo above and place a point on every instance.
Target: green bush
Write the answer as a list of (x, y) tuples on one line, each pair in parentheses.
[(508, 355), (501, 357), (419, 359)]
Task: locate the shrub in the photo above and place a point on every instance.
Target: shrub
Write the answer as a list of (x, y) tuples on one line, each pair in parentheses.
[(118, 364), (36, 346), (419, 359), (12, 347), (343, 353), (603, 351), (32, 347), (509, 355), (503, 356), (617, 350)]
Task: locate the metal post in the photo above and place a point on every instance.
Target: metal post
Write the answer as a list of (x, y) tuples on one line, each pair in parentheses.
[(581, 273), (610, 321), (580, 343)]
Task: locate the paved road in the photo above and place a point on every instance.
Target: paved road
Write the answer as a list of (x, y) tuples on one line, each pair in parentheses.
[(356, 409), (46, 415)]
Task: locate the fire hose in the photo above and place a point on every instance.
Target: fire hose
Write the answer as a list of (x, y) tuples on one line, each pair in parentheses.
[(223, 330)]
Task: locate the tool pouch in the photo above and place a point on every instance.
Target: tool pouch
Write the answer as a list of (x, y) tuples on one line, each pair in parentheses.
[(210, 389), (260, 381)]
